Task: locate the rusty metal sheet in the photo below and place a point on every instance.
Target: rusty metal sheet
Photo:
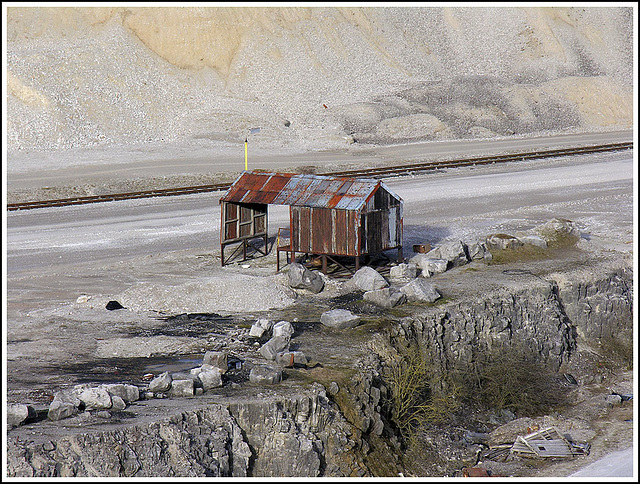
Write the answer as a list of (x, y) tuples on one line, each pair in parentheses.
[(266, 191), (302, 190), (292, 191), (316, 193), (253, 187)]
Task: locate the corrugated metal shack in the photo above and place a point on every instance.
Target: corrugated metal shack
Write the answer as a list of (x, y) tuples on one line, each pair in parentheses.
[(329, 216)]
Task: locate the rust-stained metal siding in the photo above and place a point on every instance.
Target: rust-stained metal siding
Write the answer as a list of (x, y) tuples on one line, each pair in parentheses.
[(325, 231)]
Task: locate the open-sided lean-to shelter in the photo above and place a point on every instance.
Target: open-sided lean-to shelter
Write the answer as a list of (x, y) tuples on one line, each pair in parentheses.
[(329, 216)]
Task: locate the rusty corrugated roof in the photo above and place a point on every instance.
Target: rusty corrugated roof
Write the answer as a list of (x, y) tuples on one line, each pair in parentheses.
[(302, 190)]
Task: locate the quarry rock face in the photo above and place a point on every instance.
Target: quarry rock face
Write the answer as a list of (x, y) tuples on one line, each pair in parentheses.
[(304, 432)]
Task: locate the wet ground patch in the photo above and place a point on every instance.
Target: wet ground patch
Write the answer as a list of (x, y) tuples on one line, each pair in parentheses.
[(191, 325)]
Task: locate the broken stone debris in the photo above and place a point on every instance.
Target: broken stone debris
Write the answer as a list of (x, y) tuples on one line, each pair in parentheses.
[(260, 328), (534, 240), (128, 393), (283, 328), (275, 345), (477, 251), (503, 242), (182, 388), (117, 403), (291, 358), (453, 252), (613, 400), (555, 227), (208, 376), (65, 404), (161, 383), (430, 267), (95, 398)]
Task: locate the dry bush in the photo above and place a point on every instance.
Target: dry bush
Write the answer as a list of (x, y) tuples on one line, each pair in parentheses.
[(617, 351), (511, 378), (414, 404)]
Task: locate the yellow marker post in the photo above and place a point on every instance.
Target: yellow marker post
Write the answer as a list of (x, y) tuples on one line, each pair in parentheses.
[(245, 155)]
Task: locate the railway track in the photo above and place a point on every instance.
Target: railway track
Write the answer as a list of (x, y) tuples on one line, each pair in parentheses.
[(388, 171)]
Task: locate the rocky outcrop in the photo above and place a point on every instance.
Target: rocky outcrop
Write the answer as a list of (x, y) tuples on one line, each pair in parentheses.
[(205, 442), (548, 316)]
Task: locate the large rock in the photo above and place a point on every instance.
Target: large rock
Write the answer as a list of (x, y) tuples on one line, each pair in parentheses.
[(339, 319), (419, 290), (18, 413), (289, 358), (95, 398), (265, 374), (387, 297), (556, 228), (260, 328), (275, 345), (430, 267), (182, 388), (403, 272), (217, 359), (453, 252), (478, 251), (128, 393), (210, 378), (535, 240), (302, 278), (256, 331), (117, 403), (368, 279), (283, 328), (161, 383), (503, 242), (65, 404)]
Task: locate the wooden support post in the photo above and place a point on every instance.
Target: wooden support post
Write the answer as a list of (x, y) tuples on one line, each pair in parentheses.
[(244, 249), (400, 258), (222, 254), (324, 264), (357, 262)]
